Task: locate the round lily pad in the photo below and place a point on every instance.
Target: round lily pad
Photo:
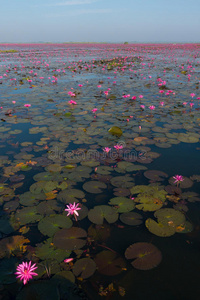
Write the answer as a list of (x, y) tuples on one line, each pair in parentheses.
[(187, 138), (159, 229), (115, 130), (94, 187), (103, 170), (109, 263), (46, 250), (70, 239), (121, 192), (122, 181), (170, 216), (49, 225), (27, 215), (98, 213), (122, 204), (84, 268), (146, 255), (186, 183), (155, 175), (70, 195), (131, 218)]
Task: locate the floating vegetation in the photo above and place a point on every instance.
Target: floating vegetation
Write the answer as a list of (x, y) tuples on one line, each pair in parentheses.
[(93, 138)]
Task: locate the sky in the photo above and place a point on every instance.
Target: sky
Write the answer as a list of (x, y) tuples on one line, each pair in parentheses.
[(114, 21)]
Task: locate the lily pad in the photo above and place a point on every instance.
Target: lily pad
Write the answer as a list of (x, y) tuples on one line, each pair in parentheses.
[(146, 255), (170, 216), (84, 268), (155, 175), (131, 218), (122, 204), (115, 130), (185, 184), (159, 229), (122, 181), (94, 187), (47, 250), (51, 224), (70, 239), (27, 215), (101, 212), (187, 138), (109, 263)]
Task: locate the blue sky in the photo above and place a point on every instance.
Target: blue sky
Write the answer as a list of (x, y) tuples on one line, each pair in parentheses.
[(99, 21)]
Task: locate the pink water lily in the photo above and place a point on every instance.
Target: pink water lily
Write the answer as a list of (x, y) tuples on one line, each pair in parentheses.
[(107, 149), (72, 209), (118, 147), (27, 105), (178, 179), (72, 102), (25, 271)]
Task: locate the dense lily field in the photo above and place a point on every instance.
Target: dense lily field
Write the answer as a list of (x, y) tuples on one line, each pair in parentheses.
[(100, 179)]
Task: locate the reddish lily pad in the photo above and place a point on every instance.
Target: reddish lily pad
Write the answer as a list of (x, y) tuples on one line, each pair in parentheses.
[(155, 175), (146, 255), (84, 268), (109, 263), (70, 239)]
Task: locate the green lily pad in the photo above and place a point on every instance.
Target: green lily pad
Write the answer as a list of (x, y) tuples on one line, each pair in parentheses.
[(94, 187), (122, 204), (131, 218), (70, 239), (146, 255), (84, 268), (188, 138), (51, 224), (29, 199), (46, 250), (104, 170), (134, 168), (43, 176), (90, 163), (115, 130), (27, 215), (48, 207), (63, 275), (122, 181), (70, 195), (98, 213), (159, 229), (170, 216)]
